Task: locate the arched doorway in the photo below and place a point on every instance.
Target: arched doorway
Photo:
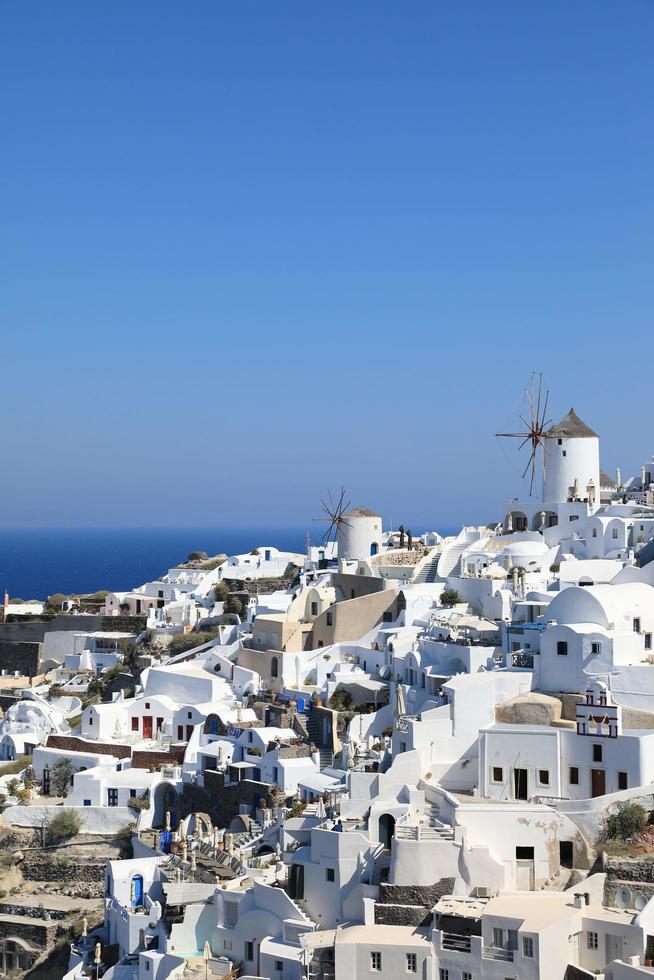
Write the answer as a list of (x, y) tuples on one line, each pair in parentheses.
[(374, 548), (166, 798), (386, 830)]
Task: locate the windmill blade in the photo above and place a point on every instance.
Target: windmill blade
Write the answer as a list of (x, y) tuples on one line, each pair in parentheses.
[(532, 456)]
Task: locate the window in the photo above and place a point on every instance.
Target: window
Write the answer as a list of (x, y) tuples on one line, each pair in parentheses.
[(593, 940), (527, 946), (614, 534), (314, 608), (90, 719), (623, 780), (227, 944), (466, 976), (250, 738), (132, 794), (597, 753), (498, 937), (147, 705), (574, 775), (279, 966), (353, 593), (249, 951), (87, 803), (544, 777), (594, 532), (498, 774), (330, 619), (559, 442), (230, 914), (595, 647), (636, 624), (562, 648), (375, 961), (329, 874), (112, 797), (411, 963), (564, 452), (648, 641), (444, 974)]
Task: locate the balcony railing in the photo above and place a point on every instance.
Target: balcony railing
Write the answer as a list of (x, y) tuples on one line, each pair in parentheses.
[(523, 658), (497, 953), (455, 943)]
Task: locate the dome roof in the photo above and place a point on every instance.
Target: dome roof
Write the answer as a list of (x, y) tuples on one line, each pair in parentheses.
[(571, 427)]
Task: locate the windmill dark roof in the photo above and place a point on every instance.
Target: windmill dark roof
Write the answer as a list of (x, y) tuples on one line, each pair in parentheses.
[(360, 512), (571, 427)]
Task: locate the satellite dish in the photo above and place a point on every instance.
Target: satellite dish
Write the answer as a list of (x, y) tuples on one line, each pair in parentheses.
[(623, 897), (641, 902)]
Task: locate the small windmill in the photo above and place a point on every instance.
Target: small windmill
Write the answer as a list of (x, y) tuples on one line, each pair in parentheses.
[(334, 508), (535, 426)]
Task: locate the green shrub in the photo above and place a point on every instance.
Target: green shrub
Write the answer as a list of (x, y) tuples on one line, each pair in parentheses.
[(138, 803), (61, 775), (220, 591), (187, 641), (628, 820), (233, 605), (64, 825), (555, 567), (340, 700), (449, 598)]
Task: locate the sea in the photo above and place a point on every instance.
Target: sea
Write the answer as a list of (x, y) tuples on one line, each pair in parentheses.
[(38, 562)]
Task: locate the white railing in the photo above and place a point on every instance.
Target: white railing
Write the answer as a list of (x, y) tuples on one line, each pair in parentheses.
[(497, 953)]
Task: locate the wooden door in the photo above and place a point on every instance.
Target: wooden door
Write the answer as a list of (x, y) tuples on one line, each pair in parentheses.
[(147, 726), (598, 782)]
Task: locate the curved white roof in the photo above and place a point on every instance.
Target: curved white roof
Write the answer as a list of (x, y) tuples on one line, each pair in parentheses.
[(610, 606)]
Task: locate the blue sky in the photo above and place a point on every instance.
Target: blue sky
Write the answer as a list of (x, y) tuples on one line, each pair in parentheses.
[(250, 250)]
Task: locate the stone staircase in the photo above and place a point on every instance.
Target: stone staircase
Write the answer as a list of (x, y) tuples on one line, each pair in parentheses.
[(428, 569), (315, 738)]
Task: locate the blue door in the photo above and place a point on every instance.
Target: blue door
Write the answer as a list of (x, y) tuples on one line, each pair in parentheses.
[(137, 891)]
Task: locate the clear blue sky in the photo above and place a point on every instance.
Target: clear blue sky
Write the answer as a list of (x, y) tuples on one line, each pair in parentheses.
[(250, 250)]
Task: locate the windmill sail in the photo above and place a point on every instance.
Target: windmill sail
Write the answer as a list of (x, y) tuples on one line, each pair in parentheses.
[(535, 427)]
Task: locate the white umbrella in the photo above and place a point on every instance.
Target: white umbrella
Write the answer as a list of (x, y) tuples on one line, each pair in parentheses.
[(320, 809), (496, 571)]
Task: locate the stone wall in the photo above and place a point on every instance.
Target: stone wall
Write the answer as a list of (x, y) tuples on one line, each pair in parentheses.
[(21, 655), (73, 743), (409, 905), (39, 935), (223, 801)]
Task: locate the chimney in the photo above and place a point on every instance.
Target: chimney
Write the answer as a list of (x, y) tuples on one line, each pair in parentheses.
[(579, 901), (586, 898)]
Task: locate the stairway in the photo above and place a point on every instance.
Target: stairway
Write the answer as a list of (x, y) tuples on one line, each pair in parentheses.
[(450, 559), (315, 738), (428, 570)]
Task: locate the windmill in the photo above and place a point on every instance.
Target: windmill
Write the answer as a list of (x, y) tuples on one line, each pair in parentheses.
[(535, 426), (334, 508)]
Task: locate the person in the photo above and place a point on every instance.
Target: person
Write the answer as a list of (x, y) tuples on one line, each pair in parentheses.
[(338, 826)]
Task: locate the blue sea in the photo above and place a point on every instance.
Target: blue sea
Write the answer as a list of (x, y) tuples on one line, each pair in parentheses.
[(38, 562)]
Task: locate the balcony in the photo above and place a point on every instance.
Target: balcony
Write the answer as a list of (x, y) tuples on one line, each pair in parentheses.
[(523, 658), (497, 953), (455, 943)]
